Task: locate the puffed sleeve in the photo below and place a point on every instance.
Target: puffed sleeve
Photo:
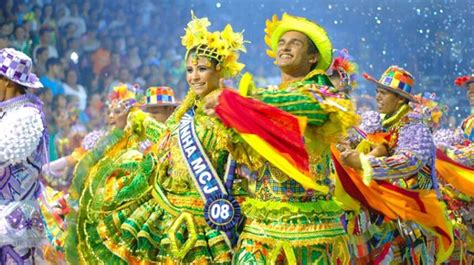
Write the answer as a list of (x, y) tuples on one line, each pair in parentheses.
[(20, 134)]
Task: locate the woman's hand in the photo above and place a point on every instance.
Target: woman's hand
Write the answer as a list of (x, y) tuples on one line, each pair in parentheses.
[(211, 101)]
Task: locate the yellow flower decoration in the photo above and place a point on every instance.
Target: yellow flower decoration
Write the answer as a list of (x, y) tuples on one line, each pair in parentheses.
[(223, 46)]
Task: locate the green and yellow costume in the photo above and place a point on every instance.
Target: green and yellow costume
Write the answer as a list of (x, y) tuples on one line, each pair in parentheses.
[(283, 217), (147, 209)]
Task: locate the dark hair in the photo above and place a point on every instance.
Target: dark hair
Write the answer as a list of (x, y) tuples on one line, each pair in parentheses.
[(41, 50), (312, 49), (52, 62), (72, 69), (44, 30)]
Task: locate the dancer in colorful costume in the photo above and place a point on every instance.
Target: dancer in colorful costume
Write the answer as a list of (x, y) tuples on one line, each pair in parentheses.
[(397, 180), (291, 214), (160, 102), (465, 154), (99, 159), (23, 150), (343, 71), (456, 167), (189, 170)]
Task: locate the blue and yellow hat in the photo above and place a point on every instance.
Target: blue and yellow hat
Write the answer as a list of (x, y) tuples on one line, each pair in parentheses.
[(397, 80), (160, 96)]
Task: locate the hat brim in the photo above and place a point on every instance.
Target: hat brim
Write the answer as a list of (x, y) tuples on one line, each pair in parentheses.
[(33, 81), (316, 33), (161, 105), (391, 89)]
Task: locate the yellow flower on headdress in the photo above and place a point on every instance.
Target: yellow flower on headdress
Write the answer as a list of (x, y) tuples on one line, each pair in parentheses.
[(234, 39), (222, 46), (213, 38), (198, 24), (196, 32)]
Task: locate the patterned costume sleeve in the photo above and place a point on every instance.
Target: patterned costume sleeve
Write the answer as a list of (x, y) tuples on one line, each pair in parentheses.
[(145, 126), (20, 135), (414, 150), (371, 123), (296, 103), (464, 155)]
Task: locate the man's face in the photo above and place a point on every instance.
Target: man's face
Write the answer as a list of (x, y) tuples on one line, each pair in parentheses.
[(387, 102), (160, 113), (44, 55), (292, 52), (470, 93), (57, 69), (8, 89), (20, 34)]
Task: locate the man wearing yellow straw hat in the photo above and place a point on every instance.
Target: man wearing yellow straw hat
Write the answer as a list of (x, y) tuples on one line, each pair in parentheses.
[(288, 222)]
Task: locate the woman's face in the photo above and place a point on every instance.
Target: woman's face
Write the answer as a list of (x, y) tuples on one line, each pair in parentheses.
[(201, 75), (117, 115), (71, 77), (61, 103)]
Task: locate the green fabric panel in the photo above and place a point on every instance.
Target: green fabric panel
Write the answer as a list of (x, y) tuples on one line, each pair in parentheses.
[(295, 103)]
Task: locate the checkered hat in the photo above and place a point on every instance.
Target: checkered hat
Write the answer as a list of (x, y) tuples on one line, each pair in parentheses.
[(160, 96), (397, 80), (16, 66)]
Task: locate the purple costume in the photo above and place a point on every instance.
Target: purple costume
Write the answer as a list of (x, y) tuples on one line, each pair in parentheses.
[(23, 151)]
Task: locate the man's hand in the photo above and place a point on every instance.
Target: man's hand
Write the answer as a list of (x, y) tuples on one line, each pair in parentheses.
[(343, 146), (351, 159)]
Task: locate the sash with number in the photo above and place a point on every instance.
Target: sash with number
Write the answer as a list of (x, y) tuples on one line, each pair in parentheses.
[(221, 210)]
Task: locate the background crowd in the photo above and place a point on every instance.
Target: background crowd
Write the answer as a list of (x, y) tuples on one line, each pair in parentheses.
[(81, 49)]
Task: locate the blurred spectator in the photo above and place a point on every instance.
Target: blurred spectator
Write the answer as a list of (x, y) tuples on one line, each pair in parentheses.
[(4, 43), (114, 66), (95, 112), (53, 73), (89, 41), (20, 12), (40, 64), (101, 58), (6, 30), (48, 20), (152, 55), (119, 19), (134, 59), (21, 41), (75, 19), (8, 13), (36, 20), (71, 87), (46, 40)]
